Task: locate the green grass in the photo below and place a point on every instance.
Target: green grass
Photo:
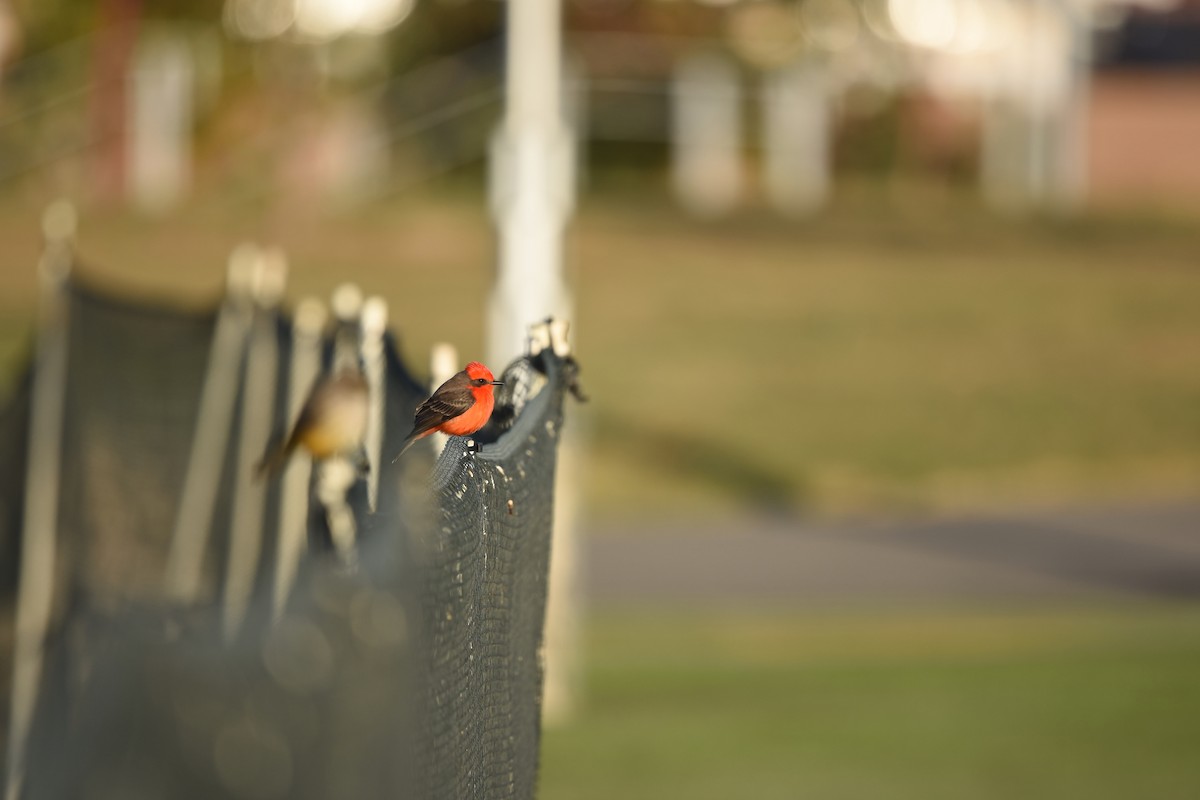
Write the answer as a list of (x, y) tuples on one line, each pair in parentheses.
[(880, 364), (940, 705), (908, 355)]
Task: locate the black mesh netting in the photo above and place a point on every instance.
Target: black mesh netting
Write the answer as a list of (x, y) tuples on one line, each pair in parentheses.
[(415, 674)]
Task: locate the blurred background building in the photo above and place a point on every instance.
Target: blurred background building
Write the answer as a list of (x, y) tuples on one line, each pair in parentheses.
[(1038, 102)]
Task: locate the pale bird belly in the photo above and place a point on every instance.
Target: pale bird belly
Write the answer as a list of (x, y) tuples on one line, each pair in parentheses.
[(340, 430)]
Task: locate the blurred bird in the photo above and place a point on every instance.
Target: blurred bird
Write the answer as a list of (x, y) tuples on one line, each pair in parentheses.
[(459, 407), (332, 421)]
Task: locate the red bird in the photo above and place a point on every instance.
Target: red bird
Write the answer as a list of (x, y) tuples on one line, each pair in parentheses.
[(460, 406)]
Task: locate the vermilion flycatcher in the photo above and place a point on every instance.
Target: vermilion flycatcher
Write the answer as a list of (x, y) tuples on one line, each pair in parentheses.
[(459, 407), (332, 421)]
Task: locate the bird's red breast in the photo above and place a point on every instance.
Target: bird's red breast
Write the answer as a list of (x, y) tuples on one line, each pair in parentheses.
[(474, 417)]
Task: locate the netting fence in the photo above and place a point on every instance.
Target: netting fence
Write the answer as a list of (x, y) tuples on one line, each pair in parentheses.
[(414, 671)]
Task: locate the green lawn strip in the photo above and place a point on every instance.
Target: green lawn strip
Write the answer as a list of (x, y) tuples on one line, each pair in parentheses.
[(964, 704)]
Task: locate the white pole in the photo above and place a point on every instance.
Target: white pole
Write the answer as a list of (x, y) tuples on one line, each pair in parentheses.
[(1071, 168), (443, 363), (796, 138), (564, 603), (308, 321), (1021, 151), (160, 130), (185, 562), (1050, 80), (530, 189), (39, 534), (258, 412), (1002, 152), (374, 326), (706, 134)]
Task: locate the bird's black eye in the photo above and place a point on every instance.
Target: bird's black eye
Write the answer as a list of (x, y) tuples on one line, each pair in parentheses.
[(479, 381)]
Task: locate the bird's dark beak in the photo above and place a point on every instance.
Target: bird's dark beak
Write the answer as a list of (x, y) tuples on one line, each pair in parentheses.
[(497, 383)]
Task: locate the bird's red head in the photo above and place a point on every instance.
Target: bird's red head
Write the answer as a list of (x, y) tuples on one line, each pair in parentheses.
[(480, 381), (476, 371)]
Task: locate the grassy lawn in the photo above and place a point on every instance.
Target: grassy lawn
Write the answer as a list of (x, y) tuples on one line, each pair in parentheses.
[(883, 357), (898, 705), (874, 363)]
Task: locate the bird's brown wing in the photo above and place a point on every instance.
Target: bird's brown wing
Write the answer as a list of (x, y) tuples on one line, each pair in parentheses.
[(278, 454), (439, 408)]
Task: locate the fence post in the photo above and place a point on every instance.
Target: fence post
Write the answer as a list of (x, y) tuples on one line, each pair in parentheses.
[(564, 602), (1070, 176), (374, 326), (796, 137), (258, 413), (160, 128), (706, 133), (193, 525), (443, 363), (39, 534)]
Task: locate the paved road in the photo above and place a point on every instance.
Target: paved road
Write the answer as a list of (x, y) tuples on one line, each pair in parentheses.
[(1068, 555)]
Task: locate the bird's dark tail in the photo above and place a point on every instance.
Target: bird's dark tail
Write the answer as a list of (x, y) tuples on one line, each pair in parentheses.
[(274, 460), (409, 442)]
